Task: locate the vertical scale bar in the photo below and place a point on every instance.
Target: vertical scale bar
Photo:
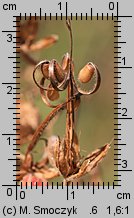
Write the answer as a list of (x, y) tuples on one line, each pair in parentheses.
[(116, 98), (17, 100), (18, 42)]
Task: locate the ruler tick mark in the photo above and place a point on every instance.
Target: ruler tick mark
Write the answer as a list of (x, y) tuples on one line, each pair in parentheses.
[(91, 13), (76, 16), (40, 14), (81, 16), (107, 16), (66, 10)]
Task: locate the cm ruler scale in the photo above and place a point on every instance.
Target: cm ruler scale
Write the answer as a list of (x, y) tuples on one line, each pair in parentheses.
[(88, 199)]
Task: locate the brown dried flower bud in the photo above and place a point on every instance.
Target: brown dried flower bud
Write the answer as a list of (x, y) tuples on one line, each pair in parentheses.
[(86, 74), (45, 70), (43, 43), (52, 95)]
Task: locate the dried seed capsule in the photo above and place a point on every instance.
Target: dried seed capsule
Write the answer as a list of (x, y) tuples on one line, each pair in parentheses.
[(86, 74), (58, 71), (52, 95), (44, 69)]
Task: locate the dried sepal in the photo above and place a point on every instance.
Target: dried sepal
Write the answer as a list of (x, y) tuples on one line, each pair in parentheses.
[(62, 162), (90, 162), (76, 152), (53, 143)]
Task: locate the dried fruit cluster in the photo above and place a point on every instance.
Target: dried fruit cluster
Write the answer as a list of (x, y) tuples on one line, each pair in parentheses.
[(62, 156)]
